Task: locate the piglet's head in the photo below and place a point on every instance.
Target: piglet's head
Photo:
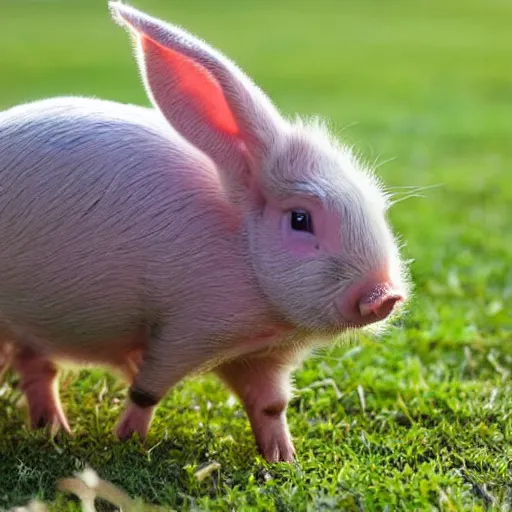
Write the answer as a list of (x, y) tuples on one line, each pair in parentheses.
[(315, 219)]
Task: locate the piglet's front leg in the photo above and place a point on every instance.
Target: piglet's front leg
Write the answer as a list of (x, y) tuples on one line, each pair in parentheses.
[(262, 382), (167, 358)]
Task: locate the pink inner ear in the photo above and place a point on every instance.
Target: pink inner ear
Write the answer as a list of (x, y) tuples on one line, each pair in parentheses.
[(198, 84)]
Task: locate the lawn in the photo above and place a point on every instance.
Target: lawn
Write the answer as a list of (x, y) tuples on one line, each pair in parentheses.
[(420, 419)]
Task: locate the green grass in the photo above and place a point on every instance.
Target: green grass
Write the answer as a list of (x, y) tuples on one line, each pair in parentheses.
[(427, 84)]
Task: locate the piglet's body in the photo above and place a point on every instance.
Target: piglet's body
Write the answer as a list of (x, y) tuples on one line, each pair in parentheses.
[(230, 241), (114, 222), (115, 227)]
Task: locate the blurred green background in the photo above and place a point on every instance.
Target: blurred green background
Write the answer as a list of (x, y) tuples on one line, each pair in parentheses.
[(423, 89)]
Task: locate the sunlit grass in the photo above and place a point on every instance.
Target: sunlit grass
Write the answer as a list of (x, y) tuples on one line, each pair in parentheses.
[(420, 419)]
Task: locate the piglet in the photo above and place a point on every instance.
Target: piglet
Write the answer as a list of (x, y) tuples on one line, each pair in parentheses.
[(208, 233)]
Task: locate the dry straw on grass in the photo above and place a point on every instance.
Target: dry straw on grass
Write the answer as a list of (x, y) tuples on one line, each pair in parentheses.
[(89, 487)]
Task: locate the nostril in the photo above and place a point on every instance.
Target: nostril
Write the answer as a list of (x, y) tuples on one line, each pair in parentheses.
[(363, 305), (381, 306)]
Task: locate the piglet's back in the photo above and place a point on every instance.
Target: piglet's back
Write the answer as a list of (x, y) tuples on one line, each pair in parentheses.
[(91, 193)]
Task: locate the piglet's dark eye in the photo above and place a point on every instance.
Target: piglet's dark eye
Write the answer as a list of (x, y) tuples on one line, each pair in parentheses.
[(301, 221)]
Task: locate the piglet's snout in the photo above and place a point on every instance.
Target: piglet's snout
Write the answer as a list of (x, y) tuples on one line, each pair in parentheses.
[(368, 302)]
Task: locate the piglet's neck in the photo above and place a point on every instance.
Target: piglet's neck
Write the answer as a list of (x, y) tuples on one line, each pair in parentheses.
[(266, 333)]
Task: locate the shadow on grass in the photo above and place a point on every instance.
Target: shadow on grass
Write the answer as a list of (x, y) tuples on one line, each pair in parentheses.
[(160, 470)]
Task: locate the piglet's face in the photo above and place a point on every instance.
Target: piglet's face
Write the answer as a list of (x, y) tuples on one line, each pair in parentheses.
[(321, 245)]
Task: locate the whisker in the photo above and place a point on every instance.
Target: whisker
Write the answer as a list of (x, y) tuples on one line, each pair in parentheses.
[(401, 199), (384, 162), (394, 195), (350, 125), (414, 188)]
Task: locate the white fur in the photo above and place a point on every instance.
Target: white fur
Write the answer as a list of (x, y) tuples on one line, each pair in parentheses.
[(167, 231)]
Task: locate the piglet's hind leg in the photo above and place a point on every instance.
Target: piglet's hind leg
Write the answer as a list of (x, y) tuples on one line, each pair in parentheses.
[(39, 383)]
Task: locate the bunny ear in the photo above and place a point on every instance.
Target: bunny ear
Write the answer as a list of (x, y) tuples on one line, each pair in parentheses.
[(204, 95)]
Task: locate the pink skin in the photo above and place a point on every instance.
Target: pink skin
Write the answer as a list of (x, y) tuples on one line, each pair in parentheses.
[(263, 385), (262, 382), (187, 237), (369, 301), (239, 375), (39, 383), (324, 240), (135, 420), (39, 379), (123, 353), (223, 127)]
